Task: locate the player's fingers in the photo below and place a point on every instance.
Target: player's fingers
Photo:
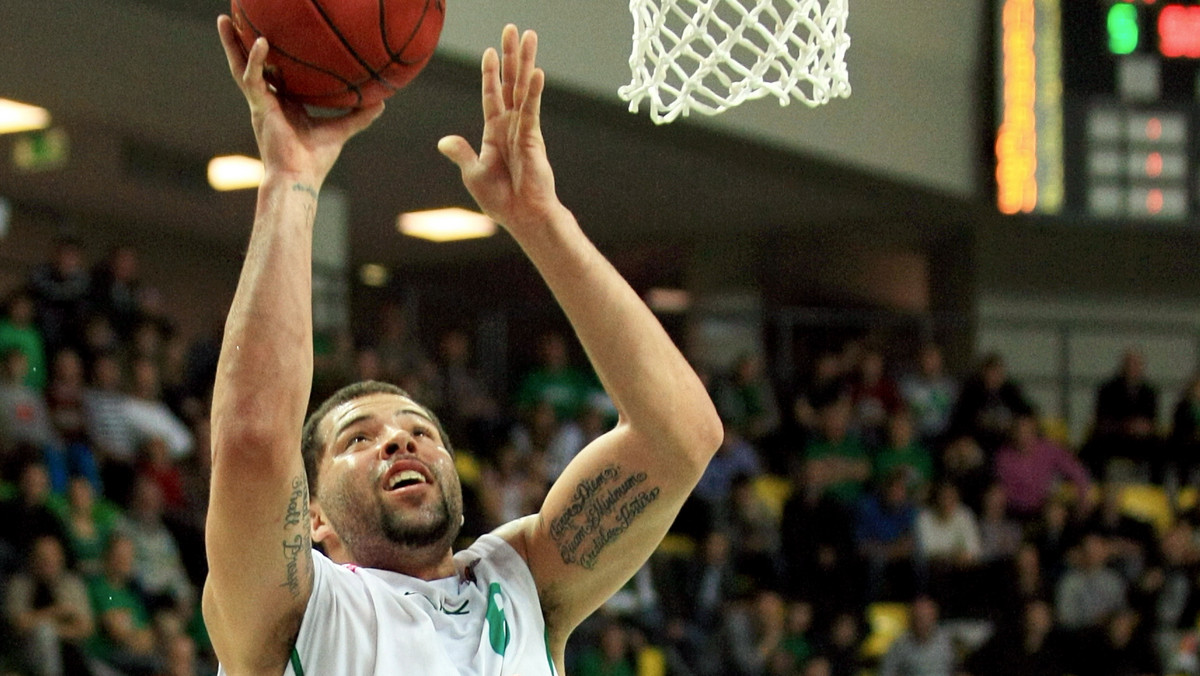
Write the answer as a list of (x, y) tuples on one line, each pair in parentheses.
[(252, 77), (360, 119), (235, 54), (458, 150), (526, 62), (509, 62), (493, 100), (531, 108)]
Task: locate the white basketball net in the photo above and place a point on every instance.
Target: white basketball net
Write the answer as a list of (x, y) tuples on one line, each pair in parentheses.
[(711, 55)]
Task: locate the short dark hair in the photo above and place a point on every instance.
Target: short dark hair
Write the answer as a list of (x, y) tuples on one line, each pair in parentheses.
[(311, 446)]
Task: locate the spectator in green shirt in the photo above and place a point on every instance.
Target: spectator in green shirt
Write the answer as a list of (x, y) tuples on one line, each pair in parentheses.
[(836, 460), (17, 331), (611, 657), (124, 637), (555, 381), (903, 451)]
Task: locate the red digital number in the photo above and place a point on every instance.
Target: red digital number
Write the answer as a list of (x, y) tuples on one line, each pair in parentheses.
[(1179, 31)]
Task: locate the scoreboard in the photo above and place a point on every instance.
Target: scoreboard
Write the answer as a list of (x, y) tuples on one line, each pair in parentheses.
[(1098, 109)]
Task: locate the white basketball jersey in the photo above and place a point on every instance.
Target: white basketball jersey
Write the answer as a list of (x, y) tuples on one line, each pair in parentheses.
[(484, 621)]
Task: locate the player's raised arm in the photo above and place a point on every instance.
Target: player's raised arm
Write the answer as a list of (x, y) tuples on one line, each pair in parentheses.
[(257, 535), (611, 507)]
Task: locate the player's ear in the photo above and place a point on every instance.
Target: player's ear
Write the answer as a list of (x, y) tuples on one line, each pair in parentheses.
[(322, 529)]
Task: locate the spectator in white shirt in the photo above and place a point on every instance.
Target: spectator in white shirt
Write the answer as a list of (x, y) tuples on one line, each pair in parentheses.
[(948, 544)]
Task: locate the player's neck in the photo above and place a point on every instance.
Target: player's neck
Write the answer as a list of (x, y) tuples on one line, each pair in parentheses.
[(425, 563)]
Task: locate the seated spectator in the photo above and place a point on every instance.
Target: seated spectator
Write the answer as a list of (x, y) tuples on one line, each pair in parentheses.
[(988, 404), (1015, 584), (469, 410), (1170, 598), (754, 530), (874, 397), (155, 463), (884, 535), (924, 649), (818, 550), (1183, 445), (1030, 468), (753, 633), (1055, 533), (798, 644), (515, 486), (930, 395), (47, 606), (104, 407), (965, 465), (827, 383), (24, 418), (60, 294), (115, 291), (88, 521), (1089, 593), (157, 565), (947, 532), (843, 645), (124, 637), (18, 331), (150, 417), (612, 657), (836, 460), (1131, 539), (1035, 649), (546, 441), (1120, 648), (1126, 419), (746, 399), (64, 397), (903, 451), (948, 544), (999, 536), (400, 350), (26, 515), (555, 380)]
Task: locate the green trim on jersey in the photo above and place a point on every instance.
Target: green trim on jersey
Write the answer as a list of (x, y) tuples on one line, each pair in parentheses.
[(297, 668)]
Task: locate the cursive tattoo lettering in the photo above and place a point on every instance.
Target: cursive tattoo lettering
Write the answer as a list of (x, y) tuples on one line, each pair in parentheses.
[(602, 508)]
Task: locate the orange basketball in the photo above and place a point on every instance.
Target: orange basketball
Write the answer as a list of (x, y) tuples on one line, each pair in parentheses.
[(341, 53)]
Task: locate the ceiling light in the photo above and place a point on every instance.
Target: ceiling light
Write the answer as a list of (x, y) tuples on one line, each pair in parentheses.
[(234, 172), (446, 225), (373, 275), (16, 116)]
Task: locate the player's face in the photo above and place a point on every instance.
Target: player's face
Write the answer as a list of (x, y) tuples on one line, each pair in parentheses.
[(386, 477)]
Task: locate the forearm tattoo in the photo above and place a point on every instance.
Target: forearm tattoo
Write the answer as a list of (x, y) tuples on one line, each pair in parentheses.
[(297, 541), (602, 508), (300, 187)]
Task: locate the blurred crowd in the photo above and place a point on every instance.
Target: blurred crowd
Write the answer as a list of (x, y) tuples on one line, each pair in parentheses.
[(873, 511)]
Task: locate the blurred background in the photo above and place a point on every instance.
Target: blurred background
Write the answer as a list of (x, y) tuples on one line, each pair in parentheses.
[(951, 323)]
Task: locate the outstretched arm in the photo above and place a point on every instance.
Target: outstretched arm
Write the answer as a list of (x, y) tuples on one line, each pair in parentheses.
[(627, 486), (257, 535)]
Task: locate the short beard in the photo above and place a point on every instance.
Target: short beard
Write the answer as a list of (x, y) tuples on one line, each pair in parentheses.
[(442, 529)]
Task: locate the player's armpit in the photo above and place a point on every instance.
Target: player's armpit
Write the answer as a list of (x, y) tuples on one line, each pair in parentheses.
[(601, 521)]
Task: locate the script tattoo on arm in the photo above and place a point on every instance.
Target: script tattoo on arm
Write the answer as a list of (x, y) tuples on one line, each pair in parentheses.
[(298, 540), (601, 509)]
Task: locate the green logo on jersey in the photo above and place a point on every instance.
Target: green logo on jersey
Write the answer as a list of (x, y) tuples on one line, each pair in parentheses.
[(498, 633)]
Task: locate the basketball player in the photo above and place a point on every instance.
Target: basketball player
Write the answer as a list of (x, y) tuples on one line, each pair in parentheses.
[(376, 484)]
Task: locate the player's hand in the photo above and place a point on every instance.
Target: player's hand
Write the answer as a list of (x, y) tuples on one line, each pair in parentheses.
[(290, 140), (510, 178)]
